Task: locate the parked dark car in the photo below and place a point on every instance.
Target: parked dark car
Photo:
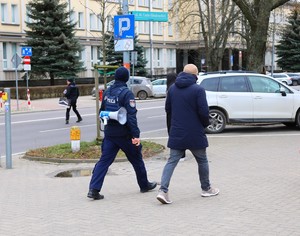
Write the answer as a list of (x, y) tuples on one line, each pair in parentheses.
[(295, 78), (140, 86)]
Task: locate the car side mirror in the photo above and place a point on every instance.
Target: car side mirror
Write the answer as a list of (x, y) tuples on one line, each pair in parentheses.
[(282, 91)]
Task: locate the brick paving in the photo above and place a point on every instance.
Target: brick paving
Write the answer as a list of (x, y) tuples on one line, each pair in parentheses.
[(258, 177)]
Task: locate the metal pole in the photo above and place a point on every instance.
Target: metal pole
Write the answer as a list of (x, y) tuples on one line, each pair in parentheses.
[(126, 61), (16, 70), (97, 102), (8, 129), (151, 42)]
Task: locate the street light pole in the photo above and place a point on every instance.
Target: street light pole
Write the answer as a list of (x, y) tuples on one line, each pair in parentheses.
[(126, 61)]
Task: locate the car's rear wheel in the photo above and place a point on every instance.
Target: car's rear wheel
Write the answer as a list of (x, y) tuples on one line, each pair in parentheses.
[(217, 121), (142, 95), (295, 82)]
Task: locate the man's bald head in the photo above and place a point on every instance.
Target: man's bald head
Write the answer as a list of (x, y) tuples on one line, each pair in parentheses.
[(191, 69)]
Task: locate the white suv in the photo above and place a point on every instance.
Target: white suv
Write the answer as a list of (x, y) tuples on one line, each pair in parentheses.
[(249, 98)]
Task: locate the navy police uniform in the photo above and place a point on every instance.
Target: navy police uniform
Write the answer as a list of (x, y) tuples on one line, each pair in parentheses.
[(119, 136)]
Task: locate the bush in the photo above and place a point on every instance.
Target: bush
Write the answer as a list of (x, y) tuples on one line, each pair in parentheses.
[(48, 91)]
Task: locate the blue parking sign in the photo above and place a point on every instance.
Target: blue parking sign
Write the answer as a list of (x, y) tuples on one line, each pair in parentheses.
[(26, 51), (124, 27)]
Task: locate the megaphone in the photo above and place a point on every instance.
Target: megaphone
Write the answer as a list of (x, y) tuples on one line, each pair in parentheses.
[(120, 116)]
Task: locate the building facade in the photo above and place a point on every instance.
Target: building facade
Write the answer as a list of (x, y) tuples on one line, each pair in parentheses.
[(168, 46)]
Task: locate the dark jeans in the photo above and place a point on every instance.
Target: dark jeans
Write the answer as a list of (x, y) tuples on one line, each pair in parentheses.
[(73, 106), (110, 147)]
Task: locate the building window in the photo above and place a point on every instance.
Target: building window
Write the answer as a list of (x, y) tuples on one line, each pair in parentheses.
[(73, 18), (95, 55), (170, 4), (4, 55), (144, 3), (82, 56), (157, 3), (143, 27), (13, 53), (80, 22), (14, 14), (170, 29), (27, 18), (99, 22), (109, 23), (4, 15), (157, 28), (171, 57), (93, 21), (157, 57)]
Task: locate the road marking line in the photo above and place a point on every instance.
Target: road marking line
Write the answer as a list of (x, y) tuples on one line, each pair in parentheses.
[(51, 130)]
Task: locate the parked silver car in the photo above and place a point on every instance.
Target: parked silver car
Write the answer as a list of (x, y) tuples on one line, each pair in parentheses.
[(140, 86)]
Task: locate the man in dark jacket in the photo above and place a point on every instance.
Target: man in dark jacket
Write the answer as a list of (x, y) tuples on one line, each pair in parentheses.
[(116, 136), (186, 104), (72, 94)]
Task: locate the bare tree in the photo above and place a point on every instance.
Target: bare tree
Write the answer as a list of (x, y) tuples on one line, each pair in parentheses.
[(104, 13), (213, 21), (257, 13)]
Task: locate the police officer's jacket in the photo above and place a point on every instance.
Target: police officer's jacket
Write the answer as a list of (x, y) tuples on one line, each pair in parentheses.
[(125, 99)]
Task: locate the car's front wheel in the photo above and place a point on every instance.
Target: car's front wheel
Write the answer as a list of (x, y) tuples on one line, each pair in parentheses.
[(142, 95), (217, 121), (298, 119)]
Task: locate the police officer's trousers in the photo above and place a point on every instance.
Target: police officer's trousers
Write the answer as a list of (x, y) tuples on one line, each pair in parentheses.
[(110, 147)]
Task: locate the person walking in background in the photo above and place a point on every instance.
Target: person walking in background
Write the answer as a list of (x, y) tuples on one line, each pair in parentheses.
[(72, 94), (187, 105), (116, 136)]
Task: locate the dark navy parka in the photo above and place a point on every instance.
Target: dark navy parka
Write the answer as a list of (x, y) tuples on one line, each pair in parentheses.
[(126, 99), (187, 105)]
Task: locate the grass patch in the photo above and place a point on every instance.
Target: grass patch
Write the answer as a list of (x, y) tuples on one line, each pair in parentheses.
[(89, 150)]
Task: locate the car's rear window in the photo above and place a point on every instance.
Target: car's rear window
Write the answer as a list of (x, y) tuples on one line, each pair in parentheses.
[(210, 84)]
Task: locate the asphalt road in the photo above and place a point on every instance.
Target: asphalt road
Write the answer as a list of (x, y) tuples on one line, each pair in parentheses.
[(38, 129)]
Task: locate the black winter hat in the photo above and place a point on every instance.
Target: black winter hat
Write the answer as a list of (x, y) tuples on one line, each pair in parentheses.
[(71, 80), (122, 74)]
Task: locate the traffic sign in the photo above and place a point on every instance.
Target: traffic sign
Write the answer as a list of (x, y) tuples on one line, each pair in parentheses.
[(27, 67), (26, 60), (26, 51), (124, 27), (16, 60), (150, 16)]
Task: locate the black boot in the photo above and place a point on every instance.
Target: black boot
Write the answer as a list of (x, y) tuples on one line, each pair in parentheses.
[(79, 119), (151, 185), (93, 193), (67, 122)]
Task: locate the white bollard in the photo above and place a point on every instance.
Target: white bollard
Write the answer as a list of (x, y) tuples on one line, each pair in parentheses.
[(75, 138)]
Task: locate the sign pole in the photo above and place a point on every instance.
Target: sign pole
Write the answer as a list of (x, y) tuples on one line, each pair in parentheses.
[(8, 128), (17, 89), (126, 61)]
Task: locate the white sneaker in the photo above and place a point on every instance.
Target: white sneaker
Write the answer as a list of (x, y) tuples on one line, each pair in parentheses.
[(163, 197), (211, 192)]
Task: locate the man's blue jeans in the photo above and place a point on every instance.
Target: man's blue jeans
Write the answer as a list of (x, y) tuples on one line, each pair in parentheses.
[(175, 155)]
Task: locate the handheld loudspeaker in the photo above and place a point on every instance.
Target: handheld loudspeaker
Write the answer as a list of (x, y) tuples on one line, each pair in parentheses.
[(120, 116)]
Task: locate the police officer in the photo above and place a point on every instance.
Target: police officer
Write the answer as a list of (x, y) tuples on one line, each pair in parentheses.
[(117, 136)]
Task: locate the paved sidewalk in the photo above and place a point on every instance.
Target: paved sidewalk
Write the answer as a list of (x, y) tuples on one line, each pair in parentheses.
[(46, 104), (258, 177)]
